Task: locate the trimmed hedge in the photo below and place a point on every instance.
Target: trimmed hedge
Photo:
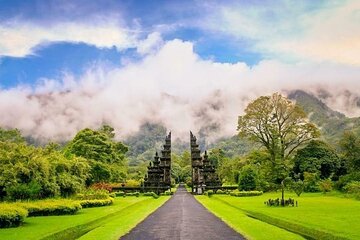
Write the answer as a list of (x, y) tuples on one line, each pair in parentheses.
[(11, 216), (136, 194), (96, 202), (120, 194), (245, 193), (92, 195), (221, 192), (50, 207), (152, 194)]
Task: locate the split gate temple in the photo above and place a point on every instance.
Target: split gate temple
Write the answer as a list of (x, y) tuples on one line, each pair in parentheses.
[(158, 177)]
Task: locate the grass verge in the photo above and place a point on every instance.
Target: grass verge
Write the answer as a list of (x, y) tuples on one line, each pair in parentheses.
[(318, 216), (249, 227), (41, 227)]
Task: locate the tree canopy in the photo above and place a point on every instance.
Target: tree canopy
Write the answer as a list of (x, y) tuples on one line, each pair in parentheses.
[(278, 124)]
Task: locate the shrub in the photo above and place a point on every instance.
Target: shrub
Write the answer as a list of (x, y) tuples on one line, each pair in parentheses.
[(24, 191), (209, 193), (311, 182), (50, 207), (102, 186), (344, 180), (151, 194), (221, 192), (132, 183), (136, 194), (237, 193), (325, 185), (11, 216), (247, 179), (120, 194), (352, 187), (277, 202), (168, 193), (92, 194), (298, 187), (96, 202)]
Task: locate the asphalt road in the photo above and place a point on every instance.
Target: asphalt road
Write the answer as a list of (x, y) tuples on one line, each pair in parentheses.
[(182, 217)]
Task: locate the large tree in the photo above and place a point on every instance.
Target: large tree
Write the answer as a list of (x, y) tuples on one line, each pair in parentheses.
[(278, 124)]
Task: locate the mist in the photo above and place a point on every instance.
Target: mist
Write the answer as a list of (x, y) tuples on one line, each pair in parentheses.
[(173, 86)]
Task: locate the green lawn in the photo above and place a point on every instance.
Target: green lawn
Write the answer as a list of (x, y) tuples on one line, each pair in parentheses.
[(118, 219), (318, 216)]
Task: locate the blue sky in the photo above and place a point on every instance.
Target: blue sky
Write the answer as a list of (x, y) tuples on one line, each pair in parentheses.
[(169, 60), (184, 20)]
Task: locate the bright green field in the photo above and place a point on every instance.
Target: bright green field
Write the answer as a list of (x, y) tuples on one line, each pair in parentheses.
[(109, 222), (318, 216)]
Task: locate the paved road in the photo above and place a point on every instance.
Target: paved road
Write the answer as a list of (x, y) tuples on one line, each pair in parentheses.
[(182, 217)]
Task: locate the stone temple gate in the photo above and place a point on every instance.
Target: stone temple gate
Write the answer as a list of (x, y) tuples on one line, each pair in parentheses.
[(204, 177)]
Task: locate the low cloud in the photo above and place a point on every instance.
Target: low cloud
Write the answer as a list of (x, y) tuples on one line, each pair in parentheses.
[(171, 85)]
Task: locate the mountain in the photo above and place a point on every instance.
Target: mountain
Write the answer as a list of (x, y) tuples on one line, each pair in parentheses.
[(332, 124)]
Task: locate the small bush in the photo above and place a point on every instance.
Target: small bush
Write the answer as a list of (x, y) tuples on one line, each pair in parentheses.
[(50, 207), (311, 182), (96, 202), (209, 193), (11, 216), (298, 187), (237, 193), (168, 193), (325, 185), (352, 187), (277, 202)]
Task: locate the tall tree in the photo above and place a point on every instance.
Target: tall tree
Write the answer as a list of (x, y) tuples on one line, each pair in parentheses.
[(350, 147), (280, 126)]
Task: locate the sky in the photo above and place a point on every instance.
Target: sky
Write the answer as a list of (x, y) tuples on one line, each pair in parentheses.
[(190, 65)]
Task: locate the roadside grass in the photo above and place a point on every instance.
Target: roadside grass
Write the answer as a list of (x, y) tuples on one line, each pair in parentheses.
[(120, 225), (318, 216), (70, 226), (247, 226)]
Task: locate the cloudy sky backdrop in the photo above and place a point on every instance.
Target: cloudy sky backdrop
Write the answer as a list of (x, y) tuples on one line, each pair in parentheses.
[(66, 65)]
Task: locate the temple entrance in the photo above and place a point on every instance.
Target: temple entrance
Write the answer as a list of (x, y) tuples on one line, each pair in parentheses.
[(203, 174)]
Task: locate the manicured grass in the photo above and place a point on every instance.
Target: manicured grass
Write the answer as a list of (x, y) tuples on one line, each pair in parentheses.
[(318, 216), (120, 225), (73, 226), (247, 226)]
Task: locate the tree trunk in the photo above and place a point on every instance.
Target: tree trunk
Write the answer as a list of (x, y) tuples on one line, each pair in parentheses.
[(282, 193)]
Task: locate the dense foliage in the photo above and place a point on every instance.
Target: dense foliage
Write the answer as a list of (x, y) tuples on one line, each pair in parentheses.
[(11, 216), (29, 172)]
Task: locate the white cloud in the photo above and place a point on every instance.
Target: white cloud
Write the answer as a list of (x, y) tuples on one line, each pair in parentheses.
[(292, 30), (18, 37), (173, 86)]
